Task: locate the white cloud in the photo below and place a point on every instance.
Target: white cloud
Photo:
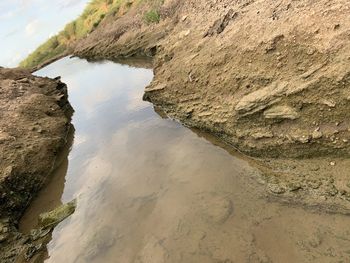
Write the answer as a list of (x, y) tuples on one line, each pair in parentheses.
[(7, 15), (15, 59), (12, 32), (32, 27), (69, 3)]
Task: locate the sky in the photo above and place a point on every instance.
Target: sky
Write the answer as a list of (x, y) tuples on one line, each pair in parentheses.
[(25, 24)]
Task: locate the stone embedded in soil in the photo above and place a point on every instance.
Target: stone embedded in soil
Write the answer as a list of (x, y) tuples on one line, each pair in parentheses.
[(276, 188), (32, 250), (316, 135), (261, 134), (314, 184), (294, 186), (281, 112), (260, 99), (36, 234), (3, 237)]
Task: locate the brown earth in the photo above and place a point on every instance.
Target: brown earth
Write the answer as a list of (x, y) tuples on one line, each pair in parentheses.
[(34, 123), (270, 78)]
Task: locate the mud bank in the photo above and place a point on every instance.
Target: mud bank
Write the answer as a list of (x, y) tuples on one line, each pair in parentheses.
[(272, 79), (150, 190), (34, 123)]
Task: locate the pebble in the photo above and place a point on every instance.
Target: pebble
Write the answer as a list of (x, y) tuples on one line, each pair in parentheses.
[(294, 186), (276, 189), (317, 134), (314, 184), (315, 168)]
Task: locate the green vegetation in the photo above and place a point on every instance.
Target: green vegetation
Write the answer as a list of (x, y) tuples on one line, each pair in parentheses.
[(92, 16), (94, 13), (46, 51), (152, 16)]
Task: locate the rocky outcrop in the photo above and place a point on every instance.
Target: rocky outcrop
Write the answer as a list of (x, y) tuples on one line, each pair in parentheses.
[(34, 122), (270, 78)]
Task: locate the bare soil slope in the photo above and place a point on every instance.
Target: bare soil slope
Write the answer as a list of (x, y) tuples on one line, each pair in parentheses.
[(271, 78)]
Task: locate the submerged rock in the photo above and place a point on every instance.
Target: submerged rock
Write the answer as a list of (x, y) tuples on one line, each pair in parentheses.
[(54, 217), (32, 250)]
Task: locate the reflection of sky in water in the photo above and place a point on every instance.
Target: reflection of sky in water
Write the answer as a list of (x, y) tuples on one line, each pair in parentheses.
[(135, 174), (107, 99), (118, 139), (101, 94)]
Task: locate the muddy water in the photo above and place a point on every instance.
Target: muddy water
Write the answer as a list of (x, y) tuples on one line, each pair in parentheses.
[(150, 190)]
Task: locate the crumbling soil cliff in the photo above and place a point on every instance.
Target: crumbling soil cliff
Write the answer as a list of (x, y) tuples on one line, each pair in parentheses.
[(34, 122), (271, 78)]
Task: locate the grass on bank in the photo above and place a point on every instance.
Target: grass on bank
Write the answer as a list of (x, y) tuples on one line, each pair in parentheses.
[(88, 21), (152, 16)]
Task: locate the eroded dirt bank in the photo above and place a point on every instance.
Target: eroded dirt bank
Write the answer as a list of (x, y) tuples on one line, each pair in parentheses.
[(270, 78), (34, 122)]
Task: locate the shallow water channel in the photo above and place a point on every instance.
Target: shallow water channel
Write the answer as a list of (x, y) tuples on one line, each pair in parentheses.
[(150, 190)]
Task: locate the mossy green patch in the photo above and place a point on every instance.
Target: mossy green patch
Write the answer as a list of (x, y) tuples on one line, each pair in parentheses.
[(152, 16)]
